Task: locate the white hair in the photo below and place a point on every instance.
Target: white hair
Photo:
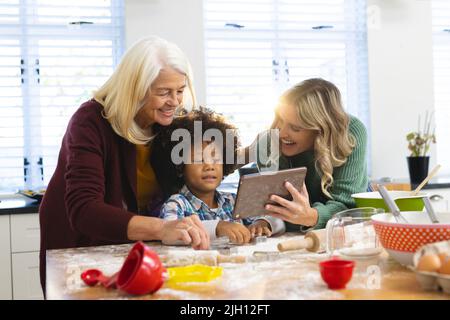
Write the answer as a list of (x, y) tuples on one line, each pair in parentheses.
[(124, 93)]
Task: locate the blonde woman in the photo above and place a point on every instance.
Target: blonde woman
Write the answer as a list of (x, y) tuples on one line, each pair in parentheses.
[(315, 132), (104, 189)]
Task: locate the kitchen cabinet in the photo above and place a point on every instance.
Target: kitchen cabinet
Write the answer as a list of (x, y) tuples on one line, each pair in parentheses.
[(5, 259), (25, 232), (25, 276), (25, 242), (19, 256)]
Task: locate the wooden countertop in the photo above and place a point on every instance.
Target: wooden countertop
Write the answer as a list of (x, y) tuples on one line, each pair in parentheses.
[(290, 275)]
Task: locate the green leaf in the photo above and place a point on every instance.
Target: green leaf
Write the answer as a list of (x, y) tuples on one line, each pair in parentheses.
[(410, 136)]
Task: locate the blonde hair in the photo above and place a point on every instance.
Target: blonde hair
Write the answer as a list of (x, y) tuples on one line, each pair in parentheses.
[(319, 108), (125, 92)]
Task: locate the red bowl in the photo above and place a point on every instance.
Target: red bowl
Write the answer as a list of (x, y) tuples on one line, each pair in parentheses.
[(336, 273), (142, 272)]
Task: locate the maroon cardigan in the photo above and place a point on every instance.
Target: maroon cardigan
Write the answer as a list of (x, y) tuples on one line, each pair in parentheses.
[(92, 194)]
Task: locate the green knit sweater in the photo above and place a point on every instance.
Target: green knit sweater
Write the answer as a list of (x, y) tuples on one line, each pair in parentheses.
[(348, 179)]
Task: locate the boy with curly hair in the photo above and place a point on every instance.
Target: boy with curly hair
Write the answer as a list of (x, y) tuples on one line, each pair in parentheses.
[(196, 177)]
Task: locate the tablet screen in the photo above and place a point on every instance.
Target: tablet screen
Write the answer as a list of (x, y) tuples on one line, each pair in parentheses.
[(255, 189)]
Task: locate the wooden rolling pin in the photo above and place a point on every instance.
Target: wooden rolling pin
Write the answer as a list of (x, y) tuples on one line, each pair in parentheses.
[(313, 241), (211, 258), (221, 258)]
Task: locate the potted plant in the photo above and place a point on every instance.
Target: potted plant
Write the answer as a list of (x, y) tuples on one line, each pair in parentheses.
[(419, 143)]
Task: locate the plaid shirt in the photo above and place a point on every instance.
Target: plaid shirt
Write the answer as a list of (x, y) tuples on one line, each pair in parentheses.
[(185, 204)]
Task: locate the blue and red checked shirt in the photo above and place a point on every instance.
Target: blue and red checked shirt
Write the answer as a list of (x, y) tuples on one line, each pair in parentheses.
[(185, 203)]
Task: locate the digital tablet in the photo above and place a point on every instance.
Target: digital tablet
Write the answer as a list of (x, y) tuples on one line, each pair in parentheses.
[(255, 189)]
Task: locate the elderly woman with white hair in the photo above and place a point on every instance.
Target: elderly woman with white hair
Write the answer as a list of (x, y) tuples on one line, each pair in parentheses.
[(104, 189)]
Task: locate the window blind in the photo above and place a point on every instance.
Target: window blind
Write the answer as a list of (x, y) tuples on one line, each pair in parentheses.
[(441, 61), (255, 49), (53, 54)]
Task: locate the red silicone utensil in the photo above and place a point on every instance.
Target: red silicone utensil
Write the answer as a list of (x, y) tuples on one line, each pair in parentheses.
[(336, 273), (93, 276), (141, 273)]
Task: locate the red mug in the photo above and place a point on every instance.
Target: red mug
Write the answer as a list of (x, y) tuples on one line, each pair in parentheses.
[(336, 273), (142, 271)]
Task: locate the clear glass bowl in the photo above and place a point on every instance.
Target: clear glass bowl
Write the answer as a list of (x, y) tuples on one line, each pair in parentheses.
[(350, 233)]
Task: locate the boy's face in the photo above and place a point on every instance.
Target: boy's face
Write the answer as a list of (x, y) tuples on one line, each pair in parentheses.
[(205, 176)]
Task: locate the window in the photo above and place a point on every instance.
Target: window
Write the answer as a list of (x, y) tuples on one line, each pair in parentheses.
[(441, 60), (255, 49), (53, 54)]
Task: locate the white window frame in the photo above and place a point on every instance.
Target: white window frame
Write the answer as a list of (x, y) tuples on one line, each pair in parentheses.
[(441, 66), (356, 96), (30, 31)]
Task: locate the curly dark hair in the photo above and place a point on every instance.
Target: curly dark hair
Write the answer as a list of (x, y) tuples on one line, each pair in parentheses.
[(168, 174)]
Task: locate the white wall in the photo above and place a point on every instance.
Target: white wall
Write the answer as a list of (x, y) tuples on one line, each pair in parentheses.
[(400, 65), (400, 79), (178, 21)]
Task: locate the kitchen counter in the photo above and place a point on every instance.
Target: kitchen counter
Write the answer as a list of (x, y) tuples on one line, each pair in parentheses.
[(289, 275), (17, 204), (439, 182)]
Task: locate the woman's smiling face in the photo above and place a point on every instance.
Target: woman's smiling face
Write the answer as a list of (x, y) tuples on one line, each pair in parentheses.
[(165, 96), (294, 139)]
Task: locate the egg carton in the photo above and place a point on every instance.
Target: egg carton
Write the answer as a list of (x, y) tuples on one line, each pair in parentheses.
[(432, 281)]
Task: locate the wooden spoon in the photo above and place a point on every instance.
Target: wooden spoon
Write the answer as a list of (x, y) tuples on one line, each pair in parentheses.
[(424, 182)]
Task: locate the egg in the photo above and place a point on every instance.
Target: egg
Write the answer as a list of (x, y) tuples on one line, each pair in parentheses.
[(445, 263), (444, 256), (430, 263)]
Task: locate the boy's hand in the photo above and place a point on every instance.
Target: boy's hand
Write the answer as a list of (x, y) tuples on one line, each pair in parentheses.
[(236, 232), (260, 228)]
